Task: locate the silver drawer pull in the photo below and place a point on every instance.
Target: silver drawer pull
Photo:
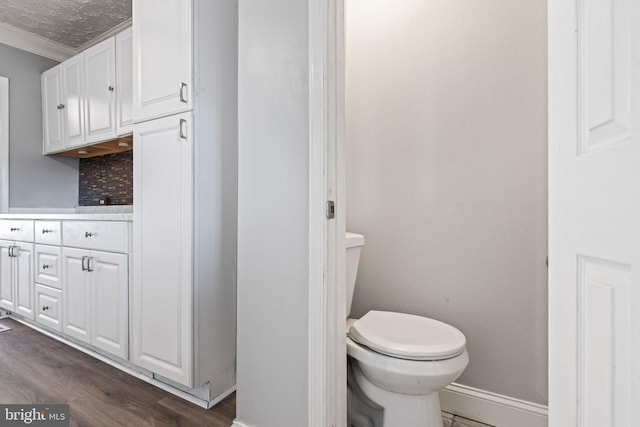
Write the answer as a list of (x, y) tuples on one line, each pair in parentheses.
[(15, 229), (45, 231), (45, 307), (45, 266), (88, 234)]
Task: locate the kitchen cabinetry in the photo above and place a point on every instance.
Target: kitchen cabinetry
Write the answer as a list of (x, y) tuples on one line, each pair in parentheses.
[(163, 36), (87, 98), (124, 82), (52, 119), (95, 284), (16, 267), (99, 95), (185, 193)]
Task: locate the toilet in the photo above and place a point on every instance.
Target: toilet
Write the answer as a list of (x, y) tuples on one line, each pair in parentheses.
[(397, 362)]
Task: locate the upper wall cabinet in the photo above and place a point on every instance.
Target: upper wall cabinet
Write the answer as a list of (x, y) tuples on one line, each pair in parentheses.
[(87, 98), (162, 58), (100, 85), (124, 82), (52, 120)]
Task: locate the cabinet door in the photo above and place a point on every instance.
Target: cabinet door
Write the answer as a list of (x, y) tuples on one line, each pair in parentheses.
[(52, 127), (73, 100), (7, 291), (109, 302), (124, 82), (76, 294), (100, 86), (23, 279), (162, 306), (162, 34)]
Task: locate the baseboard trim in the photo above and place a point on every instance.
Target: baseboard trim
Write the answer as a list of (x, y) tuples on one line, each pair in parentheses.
[(492, 408), (203, 403), (238, 423)]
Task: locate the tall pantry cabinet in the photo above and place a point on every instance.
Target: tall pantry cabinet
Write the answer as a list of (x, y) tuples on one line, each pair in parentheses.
[(183, 318)]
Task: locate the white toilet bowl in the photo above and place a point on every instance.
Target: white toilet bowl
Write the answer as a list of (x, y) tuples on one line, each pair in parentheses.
[(400, 361)]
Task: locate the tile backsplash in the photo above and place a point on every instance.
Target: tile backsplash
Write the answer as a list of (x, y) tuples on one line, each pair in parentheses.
[(106, 177)]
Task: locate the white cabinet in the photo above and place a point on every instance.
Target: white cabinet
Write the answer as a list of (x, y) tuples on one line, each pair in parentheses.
[(88, 98), (49, 307), (124, 82), (63, 106), (163, 37), (52, 119), (72, 106), (100, 86), (185, 193), (48, 267), (162, 295), (16, 277), (95, 303)]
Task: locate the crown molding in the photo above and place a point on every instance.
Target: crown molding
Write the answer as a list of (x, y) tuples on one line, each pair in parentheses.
[(30, 42), (112, 32)]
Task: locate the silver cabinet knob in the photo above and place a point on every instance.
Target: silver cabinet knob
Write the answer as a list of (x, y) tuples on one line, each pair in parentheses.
[(60, 106), (110, 88), (45, 307), (45, 266), (45, 231), (15, 229), (88, 234)]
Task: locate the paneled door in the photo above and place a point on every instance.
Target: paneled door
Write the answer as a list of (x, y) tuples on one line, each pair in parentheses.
[(594, 212)]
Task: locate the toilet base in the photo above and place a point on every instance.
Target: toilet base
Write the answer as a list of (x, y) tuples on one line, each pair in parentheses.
[(401, 409)]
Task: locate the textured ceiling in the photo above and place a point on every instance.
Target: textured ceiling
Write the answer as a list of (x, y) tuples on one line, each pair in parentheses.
[(69, 22)]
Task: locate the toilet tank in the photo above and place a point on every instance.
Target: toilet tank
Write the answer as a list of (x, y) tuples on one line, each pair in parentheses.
[(353, 243)]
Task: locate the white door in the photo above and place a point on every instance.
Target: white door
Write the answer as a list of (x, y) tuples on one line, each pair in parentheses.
[(100, 91), (72, 105), (52, 126), (594, 212), (162, 306), (109, 303), (124, 82), (23, 279), (7, 291), (162, 36), (76, 294)]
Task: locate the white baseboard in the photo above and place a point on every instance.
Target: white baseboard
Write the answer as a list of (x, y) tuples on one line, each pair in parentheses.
[(238, 423), (491, 408)]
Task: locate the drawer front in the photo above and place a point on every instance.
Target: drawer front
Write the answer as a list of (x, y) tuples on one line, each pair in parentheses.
[(48, 232), (49, 307), (16, 229), (48, 267), (110, 236)]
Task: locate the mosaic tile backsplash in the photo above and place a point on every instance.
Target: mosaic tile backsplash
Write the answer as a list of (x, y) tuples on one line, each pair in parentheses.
[(108, 178)]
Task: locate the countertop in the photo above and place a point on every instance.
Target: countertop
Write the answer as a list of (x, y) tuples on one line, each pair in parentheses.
[(85, 213)]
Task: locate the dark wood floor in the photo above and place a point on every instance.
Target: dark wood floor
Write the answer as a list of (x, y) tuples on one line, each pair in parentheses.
[(37, 369)]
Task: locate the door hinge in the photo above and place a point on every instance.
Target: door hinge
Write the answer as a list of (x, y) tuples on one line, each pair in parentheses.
[(331, 209)]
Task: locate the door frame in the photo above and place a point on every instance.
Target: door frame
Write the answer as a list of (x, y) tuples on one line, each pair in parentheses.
[(327, 298), (4, 144)]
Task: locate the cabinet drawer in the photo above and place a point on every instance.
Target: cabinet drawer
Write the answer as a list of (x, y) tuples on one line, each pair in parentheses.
[(49, 307), (16, 229), (48, 232), (48, 265), (100, 235)]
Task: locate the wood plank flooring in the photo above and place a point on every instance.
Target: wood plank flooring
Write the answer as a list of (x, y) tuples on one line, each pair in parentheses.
[(37, 369)]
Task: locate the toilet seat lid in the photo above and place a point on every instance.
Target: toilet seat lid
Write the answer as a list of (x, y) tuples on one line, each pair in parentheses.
[(407, 336)]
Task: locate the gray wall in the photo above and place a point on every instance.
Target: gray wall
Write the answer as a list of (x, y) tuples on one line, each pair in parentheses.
[(35, 181), (446, 175), (273, 214)]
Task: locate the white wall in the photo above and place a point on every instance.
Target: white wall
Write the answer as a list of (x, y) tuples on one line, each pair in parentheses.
[(446, 175), (273, 213), (35, 181)]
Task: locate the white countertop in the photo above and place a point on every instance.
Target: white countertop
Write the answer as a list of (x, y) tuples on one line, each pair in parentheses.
[(86, 213)]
